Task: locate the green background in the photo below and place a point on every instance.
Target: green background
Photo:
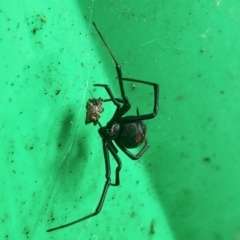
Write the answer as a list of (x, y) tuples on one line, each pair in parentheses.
[(186, 186)]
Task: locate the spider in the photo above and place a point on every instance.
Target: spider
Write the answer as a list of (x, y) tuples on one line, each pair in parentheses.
[(127, 132)]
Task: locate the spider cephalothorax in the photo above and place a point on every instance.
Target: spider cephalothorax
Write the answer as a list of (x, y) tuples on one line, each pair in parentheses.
[(124, 132)]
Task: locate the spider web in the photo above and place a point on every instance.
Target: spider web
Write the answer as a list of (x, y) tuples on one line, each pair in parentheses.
[(74, 128)]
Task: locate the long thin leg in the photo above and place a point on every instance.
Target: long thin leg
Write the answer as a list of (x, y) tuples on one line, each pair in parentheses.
[(156, 102), (118, 67), (112, 148), (109, 91), (106, 186), (118, 99), (131, 155), (120, 111), (126, 105)]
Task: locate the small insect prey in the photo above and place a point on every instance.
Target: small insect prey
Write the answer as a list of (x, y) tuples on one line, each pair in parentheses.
[(94, 110)]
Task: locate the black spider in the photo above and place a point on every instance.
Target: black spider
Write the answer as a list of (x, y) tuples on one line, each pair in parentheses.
[(126, 132)]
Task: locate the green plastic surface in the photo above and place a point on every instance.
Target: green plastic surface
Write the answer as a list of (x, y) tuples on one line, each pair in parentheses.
[(186, 186)]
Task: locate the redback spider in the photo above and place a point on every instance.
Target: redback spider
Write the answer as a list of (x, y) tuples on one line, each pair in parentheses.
[(126, 132)]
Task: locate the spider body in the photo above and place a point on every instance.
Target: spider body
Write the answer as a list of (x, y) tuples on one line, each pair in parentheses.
[(125, 135), (132, 135), (110, 132), (126, 132)]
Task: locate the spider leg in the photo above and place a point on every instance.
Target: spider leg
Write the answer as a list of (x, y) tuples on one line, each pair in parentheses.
[(118, 67), (156, 102), (121, 110), (126, 105), (109, 91), (101, 201), (109, 50), (118, 99), (114, 151), (131, 155), (107, 146)]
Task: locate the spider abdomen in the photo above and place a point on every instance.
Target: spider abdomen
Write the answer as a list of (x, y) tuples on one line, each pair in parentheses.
[(132, 134)]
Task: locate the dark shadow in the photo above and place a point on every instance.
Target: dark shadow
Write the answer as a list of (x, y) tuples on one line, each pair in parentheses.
[(71, 142)]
